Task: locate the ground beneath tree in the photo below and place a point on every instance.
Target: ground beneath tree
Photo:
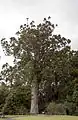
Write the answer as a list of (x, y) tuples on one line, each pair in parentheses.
[(40, 117)]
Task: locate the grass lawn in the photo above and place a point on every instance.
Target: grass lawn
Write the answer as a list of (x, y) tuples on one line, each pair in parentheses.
[(42, 117)]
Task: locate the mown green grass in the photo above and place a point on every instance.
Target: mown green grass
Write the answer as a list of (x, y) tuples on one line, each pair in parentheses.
[(43, 117)]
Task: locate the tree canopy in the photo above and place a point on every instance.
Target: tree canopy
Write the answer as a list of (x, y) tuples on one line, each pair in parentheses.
[(42, 60)]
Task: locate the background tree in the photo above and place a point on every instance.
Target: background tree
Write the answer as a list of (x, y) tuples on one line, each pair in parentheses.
[(72, 94), (4, 91)]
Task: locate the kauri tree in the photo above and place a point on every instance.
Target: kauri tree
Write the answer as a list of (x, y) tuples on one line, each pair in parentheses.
[(39, 56)]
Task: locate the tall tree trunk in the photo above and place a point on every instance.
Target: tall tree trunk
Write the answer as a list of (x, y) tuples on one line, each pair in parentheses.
[(34, 97)]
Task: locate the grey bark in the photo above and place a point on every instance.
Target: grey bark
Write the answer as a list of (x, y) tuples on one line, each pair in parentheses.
[(34, 97)]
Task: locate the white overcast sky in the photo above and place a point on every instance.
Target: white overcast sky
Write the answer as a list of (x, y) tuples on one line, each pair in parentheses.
[(13, 13)]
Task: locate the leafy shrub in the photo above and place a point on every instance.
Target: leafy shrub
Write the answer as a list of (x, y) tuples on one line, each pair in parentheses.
[(76, 111), (71, 108), (55, 109), (4, 91), (17, 102)]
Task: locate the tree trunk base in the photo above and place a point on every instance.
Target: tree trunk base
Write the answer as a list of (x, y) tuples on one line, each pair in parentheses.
[(34, 98)]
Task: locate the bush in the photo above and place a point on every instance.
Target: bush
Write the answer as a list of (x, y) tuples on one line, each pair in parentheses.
[(17, 102), (55, 109), (4, 91), (76, 111), (21, 110), (71, 108)]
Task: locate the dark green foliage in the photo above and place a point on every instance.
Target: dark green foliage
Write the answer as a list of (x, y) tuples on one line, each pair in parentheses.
[(4, 91), (56, 109), (71, 108), (18, 101), (72, 95)]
